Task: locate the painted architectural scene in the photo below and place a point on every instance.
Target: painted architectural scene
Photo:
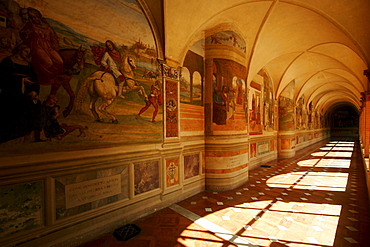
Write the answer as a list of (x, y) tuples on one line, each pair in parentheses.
[(269, 103), (301, 114), (255, 106), (229, 93), (286, 109), (192, 77)]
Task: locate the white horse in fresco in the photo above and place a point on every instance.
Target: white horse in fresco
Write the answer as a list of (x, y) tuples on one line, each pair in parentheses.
[(102, 84)]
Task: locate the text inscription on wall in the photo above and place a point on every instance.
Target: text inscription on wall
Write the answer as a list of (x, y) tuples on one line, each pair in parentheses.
[(263, 147), (92, 190)]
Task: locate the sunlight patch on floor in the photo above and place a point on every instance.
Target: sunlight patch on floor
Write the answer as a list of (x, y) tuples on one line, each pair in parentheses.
[(336, 163), (309, 162), (339, 155), (330, 181), (293, 222), (343, 149)]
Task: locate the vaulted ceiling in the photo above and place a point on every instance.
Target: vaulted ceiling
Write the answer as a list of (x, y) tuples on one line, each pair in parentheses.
[(324, 45)]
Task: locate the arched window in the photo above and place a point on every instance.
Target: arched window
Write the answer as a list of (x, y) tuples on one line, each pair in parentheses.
[(185, 87), (191, 87), (197, 89)]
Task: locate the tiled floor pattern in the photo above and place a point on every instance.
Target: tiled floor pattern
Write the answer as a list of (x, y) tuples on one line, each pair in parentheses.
[(318, 199)]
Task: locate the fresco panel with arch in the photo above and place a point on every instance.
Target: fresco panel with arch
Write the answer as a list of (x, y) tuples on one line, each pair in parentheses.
[(72, 58), (286, 108)]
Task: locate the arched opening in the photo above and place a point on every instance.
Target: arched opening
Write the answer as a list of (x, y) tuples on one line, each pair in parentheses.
[(343, 121)]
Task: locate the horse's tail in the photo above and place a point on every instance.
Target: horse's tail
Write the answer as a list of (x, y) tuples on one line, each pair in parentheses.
[(82, 92)]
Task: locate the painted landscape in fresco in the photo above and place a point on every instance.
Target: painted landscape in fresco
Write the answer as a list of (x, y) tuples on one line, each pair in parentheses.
[(191, 165), (73, 72), (146, 176), (194, 88), (192, 75), (21, 207)]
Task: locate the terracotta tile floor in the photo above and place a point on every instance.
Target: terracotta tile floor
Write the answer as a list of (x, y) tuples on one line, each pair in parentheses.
[(318, 198)]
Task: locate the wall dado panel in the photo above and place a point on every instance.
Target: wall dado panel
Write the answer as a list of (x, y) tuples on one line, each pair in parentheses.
[(227, 160), (67, 201), (286, 144), (305, 138), (262, 149)]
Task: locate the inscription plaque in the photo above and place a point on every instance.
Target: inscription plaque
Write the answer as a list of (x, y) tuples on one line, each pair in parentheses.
[(227, 162), (263, 147), (238, 160), (88, 191)]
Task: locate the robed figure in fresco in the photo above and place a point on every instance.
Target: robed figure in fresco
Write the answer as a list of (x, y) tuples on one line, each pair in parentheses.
[(219, 107), (19, 104), (43, 42), (53, 66)]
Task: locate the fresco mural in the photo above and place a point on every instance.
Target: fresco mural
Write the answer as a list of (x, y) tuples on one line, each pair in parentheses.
[(317, 120), (255, 108), (191, 165), (322, 121), (228, 38), (197, 91), (310, 116), (240, 90), (301, 114), (21, 207), (223, 105), (192, 74), (286, 108), (268, 102), (185, 86), (191, 81), (172, 111), (55, 66), (229, 90), (154, 99), (146, 176)]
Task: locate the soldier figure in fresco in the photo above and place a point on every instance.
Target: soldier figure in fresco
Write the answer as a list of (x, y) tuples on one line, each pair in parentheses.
[(155, 99)]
